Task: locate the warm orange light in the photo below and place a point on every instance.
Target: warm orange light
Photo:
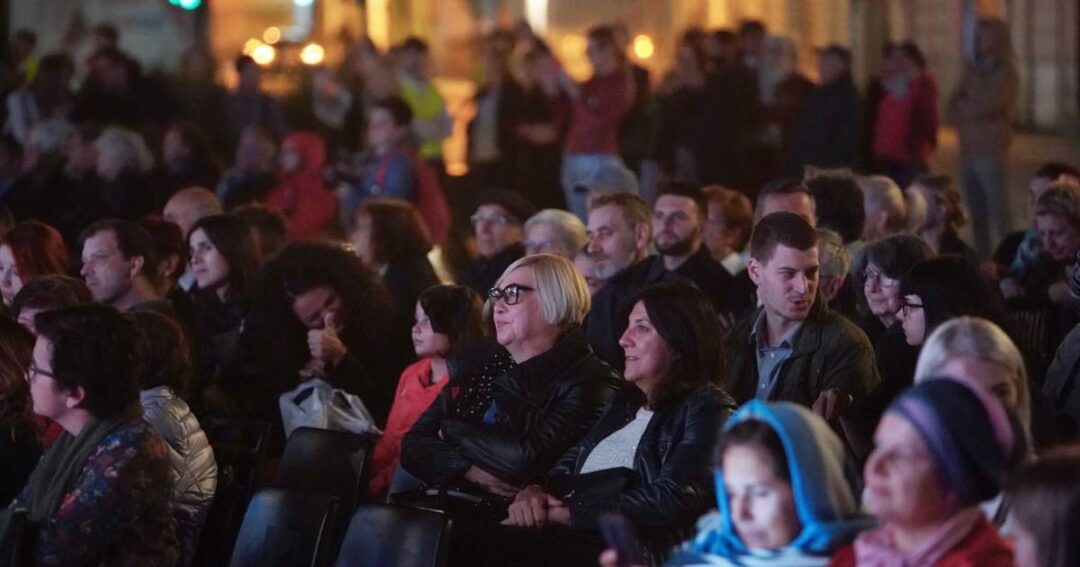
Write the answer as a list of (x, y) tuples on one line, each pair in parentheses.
[(573, 45), (250, 45), (312, 54), (264, 54), (272, 34), (643, 47)]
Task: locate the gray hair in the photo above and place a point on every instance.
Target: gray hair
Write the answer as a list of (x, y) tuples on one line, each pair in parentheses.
[(570, 229), (835, 258), (977, 338), (127, 147), (884, 194)]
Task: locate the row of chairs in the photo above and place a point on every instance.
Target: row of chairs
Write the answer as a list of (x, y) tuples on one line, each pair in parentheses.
[(310, 511)]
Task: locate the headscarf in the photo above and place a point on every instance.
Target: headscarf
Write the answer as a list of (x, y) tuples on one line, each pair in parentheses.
[(824, 501)]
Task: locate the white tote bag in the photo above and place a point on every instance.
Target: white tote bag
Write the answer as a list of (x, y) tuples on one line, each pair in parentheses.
[(316, 403)]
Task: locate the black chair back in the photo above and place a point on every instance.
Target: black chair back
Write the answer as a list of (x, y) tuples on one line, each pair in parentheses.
[(286, 528), (382, 534), (330, 462), (239, 448)]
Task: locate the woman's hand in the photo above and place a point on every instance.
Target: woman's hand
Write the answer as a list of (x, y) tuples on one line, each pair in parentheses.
[(325, 344), (529, 509), (489, 482), (557, 511)]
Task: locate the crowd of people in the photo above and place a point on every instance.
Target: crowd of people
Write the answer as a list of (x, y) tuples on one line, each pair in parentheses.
[(731, 305)]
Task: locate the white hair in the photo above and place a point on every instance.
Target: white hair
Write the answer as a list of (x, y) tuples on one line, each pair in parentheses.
[(125, 147), (570, 229), (883, 194)]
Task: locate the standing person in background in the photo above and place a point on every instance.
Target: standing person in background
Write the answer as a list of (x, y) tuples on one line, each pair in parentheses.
[(387, 169), (249, 105), (827, 134), (634, 129), (541, 122), (252, 176), (903, 114), (431, 122), (599, 105), (982, 109), (491, 149), (48, 96)]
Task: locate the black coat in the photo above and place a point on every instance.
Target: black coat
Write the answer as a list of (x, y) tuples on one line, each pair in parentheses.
[(538, 410), (673, 461), (726, 293), (828, 131), (611, 306), (482, 273)]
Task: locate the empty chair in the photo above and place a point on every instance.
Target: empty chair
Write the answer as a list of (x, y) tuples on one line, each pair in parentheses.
[(286, 528), (239, 448), (321, 460), (381, 535)]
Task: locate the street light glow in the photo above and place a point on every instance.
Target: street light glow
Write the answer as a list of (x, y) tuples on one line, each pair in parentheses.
[(263, 54), (272, 34), (312, 54), (643, 47)]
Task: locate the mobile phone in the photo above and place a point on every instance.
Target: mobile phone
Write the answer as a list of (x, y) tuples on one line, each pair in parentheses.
[(619, 535)]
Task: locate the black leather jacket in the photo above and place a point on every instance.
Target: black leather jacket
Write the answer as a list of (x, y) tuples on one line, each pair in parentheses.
[(673, 461), (540, 409)]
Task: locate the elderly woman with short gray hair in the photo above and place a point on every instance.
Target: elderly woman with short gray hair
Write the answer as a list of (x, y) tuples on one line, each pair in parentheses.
[(554, 231), (515, 406)]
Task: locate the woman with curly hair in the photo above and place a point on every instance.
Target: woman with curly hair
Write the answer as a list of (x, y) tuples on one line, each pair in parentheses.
[(317, 312)]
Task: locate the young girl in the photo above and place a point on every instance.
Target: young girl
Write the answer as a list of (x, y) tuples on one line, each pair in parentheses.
[(446, 316)]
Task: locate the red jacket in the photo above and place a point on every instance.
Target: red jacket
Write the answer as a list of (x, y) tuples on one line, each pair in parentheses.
[(302, 197), (414, 394), (983, 547)]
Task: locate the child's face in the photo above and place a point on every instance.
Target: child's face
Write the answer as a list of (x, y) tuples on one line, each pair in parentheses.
[(382, 131), (426, 342)]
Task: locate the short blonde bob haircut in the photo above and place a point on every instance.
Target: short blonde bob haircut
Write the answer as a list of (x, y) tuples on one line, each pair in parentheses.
[(564, 295), (977, 338)]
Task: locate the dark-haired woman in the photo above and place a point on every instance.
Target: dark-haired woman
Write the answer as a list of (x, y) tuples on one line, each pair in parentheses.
[(225, 260), (391, 238), (1045, 497), (648, 457), (941, 288), (20, 443), (165, 368), (101, 494), (446, 317), (317, 312)]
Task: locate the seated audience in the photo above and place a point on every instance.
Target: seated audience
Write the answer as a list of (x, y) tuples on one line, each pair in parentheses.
[(28, 250), (1016, 251), (651, 443), (786, 194), (727, 228), (185, 207), (835, 261), (317, 312), (586, 266), (101, 494), (48, 292), (978, 351), (1046, 506), (555, 231), (20, 436), (301, 195), (940, 449), (519, 405), (840, 203), (793, 348), (447, 317), (619, 233), (391, 239), (119, 264), (1057, 218), (164, 374), (267, 228), (782, 492), (172, 260), (944, 214), (497, 227), (124, 164), (1060, 389), (678, 221), (886, 209), (252, 176), (936, 290), (187, 160), (387, 169), (225, 264)]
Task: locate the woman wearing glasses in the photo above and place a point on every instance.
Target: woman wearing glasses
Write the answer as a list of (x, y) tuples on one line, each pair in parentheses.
[(884, 262), (941, 288), (511, 409)]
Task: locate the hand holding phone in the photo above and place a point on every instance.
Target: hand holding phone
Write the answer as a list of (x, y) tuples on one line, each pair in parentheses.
[(619, 535)]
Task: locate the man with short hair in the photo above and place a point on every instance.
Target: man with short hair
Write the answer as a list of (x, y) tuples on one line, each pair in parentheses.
[(793, 348), (786, 194), (619, 232), (185, 208), (827, 133), (498, 227), (679, 235), (120, 266)]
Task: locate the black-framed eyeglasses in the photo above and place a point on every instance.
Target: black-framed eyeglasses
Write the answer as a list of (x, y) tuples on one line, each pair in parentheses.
[(907, 306), (33, 371), (510, 294)]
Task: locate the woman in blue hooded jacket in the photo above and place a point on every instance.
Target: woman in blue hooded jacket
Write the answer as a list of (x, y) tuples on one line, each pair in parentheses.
[(782, 493)]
